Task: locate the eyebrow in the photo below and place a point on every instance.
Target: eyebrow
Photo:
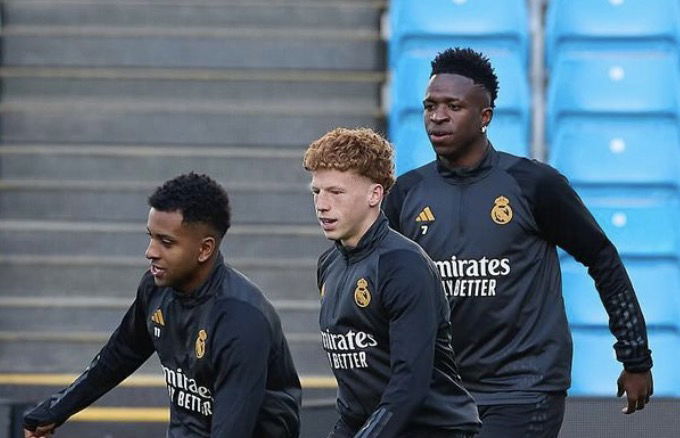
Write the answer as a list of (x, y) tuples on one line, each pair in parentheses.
[(162, 236)]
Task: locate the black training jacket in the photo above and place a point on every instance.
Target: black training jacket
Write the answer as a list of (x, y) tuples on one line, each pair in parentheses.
[(385, 327), (492, 232), (226, 363)]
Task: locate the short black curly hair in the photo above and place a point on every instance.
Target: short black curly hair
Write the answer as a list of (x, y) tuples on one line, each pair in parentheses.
[(198, 197), (469, 63)]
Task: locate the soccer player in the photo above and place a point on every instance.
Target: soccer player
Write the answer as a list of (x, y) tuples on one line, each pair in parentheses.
[(226, 363), (491, 222), (384, 317)]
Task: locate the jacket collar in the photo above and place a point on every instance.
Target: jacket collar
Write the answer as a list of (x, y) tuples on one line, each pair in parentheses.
[(209, 286), (367, 243), (464, 175)]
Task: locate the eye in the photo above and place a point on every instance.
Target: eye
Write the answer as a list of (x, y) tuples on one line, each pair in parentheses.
[(428, 106), (454, 107), (167, 243)]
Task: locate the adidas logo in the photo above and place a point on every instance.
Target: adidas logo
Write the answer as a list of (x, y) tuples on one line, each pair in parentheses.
[(157, 317), (425, 215)]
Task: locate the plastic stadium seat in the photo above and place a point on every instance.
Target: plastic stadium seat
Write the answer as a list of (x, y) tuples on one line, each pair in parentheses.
[(617, 152), (509, 129), (578, 26), (656, 283), (438, 24), (617, 85), (595, 369), (644, 227)]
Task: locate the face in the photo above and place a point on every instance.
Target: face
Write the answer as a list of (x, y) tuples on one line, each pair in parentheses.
[(178, 252), (455, 109), (346, 204)]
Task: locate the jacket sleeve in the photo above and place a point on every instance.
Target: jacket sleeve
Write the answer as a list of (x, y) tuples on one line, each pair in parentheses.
[(126, 350), (409, 291), (240, 352), (563, 220)]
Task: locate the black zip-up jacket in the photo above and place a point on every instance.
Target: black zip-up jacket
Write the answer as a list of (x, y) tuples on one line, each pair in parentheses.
[(492, 232), (226, 363), (385, 327)]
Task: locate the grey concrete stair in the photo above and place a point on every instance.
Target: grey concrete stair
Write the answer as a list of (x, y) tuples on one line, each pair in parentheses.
[(201, 46), (153, 164), (252, 203), (99, 276), (334, 14), (190, 83), (129, 239), (170, 121)]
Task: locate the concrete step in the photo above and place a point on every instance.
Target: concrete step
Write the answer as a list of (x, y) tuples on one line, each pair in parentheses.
[(212, 84), (172, 122), (30, 316), (155, 164), (251, 203), (198, 47), (121, 239), (328, 14), (28, 353), (118, 277)]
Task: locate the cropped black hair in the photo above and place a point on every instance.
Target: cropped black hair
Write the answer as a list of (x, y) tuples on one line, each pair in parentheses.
[(198, 197), (469, 63)]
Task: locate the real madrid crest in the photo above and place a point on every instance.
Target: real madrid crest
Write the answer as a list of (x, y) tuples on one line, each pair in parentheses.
[(361, 294), (200, 344), (501, 213)]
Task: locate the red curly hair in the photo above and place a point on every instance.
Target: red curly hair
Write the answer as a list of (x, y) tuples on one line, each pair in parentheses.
[(361, 150)]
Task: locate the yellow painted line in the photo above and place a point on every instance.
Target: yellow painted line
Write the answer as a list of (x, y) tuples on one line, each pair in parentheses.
[(137, 415), (142, 380)]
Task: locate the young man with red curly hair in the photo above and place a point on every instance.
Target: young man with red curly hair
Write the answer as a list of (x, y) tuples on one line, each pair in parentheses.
[(384, 316)]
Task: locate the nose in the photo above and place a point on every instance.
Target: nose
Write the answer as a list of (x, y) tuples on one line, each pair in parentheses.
[(438, 115), (151, 252), (321, 203)]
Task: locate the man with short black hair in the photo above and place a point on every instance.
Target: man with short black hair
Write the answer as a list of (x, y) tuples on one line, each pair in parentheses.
[(384, 317), (225, 360), (491, 222)]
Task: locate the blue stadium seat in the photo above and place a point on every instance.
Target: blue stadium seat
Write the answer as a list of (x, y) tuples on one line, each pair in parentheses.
[(509, 130), (656, 282), (619, 153), (438, 24), (615, 86), (595, 369), (637, 225), (581, 26)]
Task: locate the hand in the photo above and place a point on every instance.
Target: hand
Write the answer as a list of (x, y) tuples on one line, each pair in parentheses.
[(40, 431), (638, 388)]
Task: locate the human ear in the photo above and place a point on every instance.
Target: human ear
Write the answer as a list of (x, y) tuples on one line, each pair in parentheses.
[(207, 249)]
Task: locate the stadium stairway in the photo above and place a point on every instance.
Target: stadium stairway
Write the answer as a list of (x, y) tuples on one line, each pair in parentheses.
[(102, 100)]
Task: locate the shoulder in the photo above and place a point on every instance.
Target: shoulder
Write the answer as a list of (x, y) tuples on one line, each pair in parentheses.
[(532, 176), (242, 300), (412, 178), (526, 169), (401, 253)]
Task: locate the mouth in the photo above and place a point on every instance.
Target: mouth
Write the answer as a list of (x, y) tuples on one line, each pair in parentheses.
[(437, 136), (327, 224), (156, 271)]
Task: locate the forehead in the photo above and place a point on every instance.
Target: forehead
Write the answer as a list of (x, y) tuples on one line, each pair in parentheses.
[(452, 86), (166, 221), (324, 178)]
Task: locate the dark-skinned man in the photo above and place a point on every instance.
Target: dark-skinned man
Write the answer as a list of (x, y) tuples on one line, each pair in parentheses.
[(226, 363), (491, 221)]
